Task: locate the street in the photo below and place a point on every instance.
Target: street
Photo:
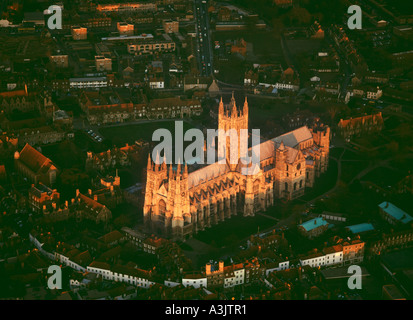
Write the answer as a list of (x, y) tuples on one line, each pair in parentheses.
[(204, 51)]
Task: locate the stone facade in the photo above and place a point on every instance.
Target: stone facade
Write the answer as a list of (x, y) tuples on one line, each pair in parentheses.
[(179, 203), (365, 125)]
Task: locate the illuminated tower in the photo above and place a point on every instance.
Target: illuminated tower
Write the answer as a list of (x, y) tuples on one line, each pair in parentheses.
[(229, 117)]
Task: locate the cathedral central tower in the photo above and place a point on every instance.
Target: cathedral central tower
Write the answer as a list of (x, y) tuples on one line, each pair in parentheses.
[(229, 117)]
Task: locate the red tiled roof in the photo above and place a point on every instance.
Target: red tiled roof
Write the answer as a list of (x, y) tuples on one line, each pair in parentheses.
[(8, 94), (111, 236), (361, 120), (100, 265), (34, 160)]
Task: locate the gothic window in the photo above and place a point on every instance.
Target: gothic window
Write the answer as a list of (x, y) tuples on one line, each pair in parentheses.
[(211, 209), (295, 186), (162, 208), (256, 193), (301, 184), (286, 186)]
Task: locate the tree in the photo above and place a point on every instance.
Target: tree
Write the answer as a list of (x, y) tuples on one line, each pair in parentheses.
[(332, 111), (278, 27)]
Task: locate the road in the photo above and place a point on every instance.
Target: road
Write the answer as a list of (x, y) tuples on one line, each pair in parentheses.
[(203, 37)]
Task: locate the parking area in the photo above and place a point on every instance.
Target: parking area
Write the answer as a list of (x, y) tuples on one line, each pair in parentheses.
[(93, 135)]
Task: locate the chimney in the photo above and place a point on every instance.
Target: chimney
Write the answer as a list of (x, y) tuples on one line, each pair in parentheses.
[(77, 192), (208, 268), (95, 197), (66, 203), (89, 191), (221, 266)]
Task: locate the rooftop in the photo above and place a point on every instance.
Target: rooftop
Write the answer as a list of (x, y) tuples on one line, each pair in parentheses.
[(362, 227), (395, 212), (313, 223)]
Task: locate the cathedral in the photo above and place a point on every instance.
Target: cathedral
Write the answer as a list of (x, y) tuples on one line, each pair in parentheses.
[(179, 203)]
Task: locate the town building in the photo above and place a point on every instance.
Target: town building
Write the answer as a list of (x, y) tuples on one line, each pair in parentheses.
[(314, 227), (170, 26), (34, 166), (125, 28), (79, 33), (364, 125), (127, 7), (103, 63), (41, 195), (353, 251), (393, 214), (147, 44)]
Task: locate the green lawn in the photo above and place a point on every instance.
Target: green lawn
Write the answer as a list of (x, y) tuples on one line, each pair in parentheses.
[(324, 183), (383, 177), (233, 230), (133, 132), (350, 169)]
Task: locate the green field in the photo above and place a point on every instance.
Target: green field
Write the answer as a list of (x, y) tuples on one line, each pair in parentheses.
[(264, 43), (383, 177), (350, 169), (324, 183), (119, 135), (233, 230)]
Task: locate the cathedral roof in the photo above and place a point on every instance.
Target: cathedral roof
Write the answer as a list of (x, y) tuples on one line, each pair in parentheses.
[(266, 149), (291, 154), (204, 174), (293, 138)]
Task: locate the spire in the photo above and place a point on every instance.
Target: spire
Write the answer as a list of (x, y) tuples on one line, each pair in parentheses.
[(245, 111), (234, 106), (221, 107), (164, 163), (149, 167), (281, 147), (171, 172), (186, 171)]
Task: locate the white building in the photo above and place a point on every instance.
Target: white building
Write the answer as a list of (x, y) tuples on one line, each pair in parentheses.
[(195, 280), (92, 82), (120, 274), (156, 83), (277, 266), (234, 275), (330, 256)]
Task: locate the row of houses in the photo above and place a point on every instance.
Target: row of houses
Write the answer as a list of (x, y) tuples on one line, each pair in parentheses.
[(264, 76), (109, 107), (345, 253)]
